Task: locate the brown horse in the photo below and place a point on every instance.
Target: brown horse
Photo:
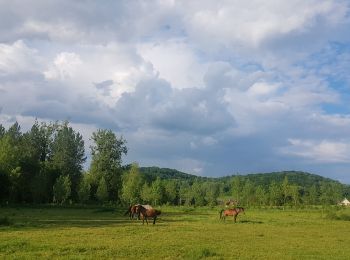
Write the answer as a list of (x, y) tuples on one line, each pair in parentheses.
[(145, 213), (231, 212), (132, 210)]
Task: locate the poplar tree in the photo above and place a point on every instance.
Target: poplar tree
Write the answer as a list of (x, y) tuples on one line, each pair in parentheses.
[(107, 152)]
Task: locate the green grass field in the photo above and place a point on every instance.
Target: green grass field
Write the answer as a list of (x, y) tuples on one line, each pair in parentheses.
[(180, 233)]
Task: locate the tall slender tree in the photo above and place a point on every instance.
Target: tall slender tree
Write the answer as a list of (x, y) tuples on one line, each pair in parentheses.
[(132, 185), (107, 152), (68, 155)]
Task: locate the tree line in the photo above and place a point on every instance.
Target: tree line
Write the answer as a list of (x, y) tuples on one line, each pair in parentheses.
[(45, 165), (280, 189)]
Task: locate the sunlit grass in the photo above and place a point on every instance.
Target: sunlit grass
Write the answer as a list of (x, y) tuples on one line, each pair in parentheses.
[(180, 233)]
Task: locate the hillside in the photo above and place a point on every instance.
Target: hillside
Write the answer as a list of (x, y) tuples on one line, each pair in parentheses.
[(151, 173), (302, 179)]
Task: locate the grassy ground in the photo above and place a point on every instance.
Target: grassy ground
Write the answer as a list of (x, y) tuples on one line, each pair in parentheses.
[(180, 233)]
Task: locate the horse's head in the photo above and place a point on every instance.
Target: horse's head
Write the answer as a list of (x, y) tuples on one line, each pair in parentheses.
[(137, 208)]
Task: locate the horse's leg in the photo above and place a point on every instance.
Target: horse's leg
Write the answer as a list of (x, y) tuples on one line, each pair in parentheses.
[(146, 221), (234, 218), (154, 220)]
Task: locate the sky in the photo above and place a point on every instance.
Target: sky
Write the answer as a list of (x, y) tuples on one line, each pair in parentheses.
[(211, 88)]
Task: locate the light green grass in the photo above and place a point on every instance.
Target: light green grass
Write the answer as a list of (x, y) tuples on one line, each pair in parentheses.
[(180, 233)]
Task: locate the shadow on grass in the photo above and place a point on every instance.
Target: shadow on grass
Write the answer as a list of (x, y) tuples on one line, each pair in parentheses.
[(251, 222), (69, 223), (242, 221), (17, 218)]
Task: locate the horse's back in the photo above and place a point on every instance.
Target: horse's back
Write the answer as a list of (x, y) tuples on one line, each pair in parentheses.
[(147, 206)]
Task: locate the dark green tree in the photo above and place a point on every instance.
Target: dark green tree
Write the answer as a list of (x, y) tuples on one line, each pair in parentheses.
[(295, 194), (84, 188), (236, 187), (275, 194), (211, 193), (2, 131), (198, 194), (158, 192), (261, 196), (132, 185), (107, 152), (248, 194), (171, 192), (146, 193), (68, 155), (312, 195), (185, 194), (62, 189), (102, 192), (286, 190)]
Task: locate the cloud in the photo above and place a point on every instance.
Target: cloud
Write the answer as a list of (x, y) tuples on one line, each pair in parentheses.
[(252, 24), (17, 58), (64, 66), (207, 87), (175, 61), (323, 151), (105, 86), (155, 104)]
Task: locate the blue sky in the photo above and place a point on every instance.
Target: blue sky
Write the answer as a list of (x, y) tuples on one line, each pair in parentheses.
[(207, 87)]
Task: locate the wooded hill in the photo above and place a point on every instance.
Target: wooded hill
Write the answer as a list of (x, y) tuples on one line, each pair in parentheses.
[(294, 177), (299, 178)]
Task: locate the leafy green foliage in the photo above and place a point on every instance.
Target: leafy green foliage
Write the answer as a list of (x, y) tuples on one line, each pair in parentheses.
[(107, 152), (32, 162), (62, 189), (68, 154), (84, 188), (132, 185), (102, 192)]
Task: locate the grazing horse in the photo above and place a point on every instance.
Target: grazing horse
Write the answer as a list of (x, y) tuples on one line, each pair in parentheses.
[(145, 213), (132, 210), (231, 212)]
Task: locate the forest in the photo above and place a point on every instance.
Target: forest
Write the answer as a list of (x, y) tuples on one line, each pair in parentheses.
[(46, 165)]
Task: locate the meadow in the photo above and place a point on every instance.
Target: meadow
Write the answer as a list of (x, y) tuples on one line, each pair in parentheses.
[(180, 233)]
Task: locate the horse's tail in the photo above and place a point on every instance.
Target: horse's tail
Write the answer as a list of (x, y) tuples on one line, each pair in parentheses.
[(221, 213)]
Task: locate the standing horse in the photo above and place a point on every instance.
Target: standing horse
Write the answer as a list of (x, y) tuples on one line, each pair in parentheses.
[(231, 212), (132, 210), (145, 213)]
